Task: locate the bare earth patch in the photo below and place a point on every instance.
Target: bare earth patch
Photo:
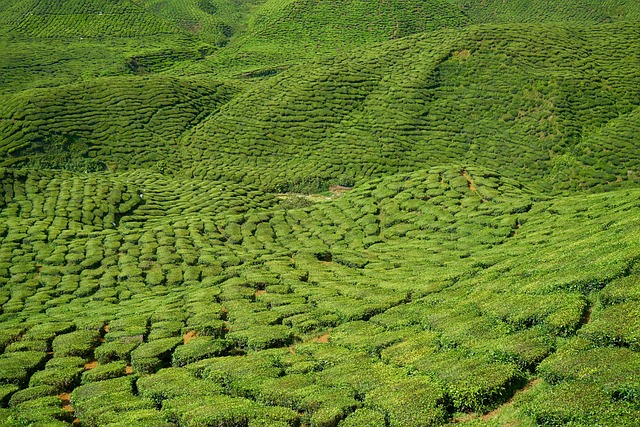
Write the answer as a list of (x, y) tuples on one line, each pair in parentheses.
[(323, 339), (90, 365), (66, 401), (462, 54), (189, 336)]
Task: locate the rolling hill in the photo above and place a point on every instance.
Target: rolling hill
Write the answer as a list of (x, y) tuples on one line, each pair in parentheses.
[(345, 213)]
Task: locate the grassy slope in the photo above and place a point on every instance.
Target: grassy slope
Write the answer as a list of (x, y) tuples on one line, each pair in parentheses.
[(116, 121), (463, 278), (284, 31), (449, 278), (518, 98)]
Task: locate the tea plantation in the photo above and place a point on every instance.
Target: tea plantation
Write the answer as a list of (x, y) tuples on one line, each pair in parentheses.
[(303, 213)]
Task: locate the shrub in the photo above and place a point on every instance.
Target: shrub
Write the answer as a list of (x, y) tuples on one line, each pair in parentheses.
[(151, 356), (15, 368), (102, 402), (25, 345), (105, 372), (207, 325), (32, 393), (416, 401), (364, 417), (6, 392), (170, 383), (62, 378), (261, 337), (43, 411), (116, 350), (140, 418), (78, 343), (241, 375), (212, 411), (200, 348), (48, 331)]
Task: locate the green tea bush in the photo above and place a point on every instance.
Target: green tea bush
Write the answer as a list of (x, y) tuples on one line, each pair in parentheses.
[(6, 392), (170, 383), (364, 417), (262, 337), (199, 348), (60, 378), (116, 350), (151, 356), (414, 401), (102, 402), (31, 393), (105, 372), (15, 368), (139, 417), (615, 325), (242, 375), (79, 343), (44, 411)]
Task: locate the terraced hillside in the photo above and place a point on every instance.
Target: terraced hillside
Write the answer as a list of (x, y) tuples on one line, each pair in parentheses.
[(109, 122), (519, 98), (301, 213)]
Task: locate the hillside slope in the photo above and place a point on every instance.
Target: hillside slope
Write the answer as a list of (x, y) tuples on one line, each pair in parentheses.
[(286, 31), (518, 98), (451, 286), (345, 213), (115, 121)]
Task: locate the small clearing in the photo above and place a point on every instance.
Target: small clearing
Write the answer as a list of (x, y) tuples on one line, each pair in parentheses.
[(189, 336)]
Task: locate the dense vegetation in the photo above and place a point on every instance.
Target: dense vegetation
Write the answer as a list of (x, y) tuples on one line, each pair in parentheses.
[(339, 213)]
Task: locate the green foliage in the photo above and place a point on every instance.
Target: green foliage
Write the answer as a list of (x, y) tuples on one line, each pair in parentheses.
[(262, 337), (201, 348), (31, 393), (60, 378), (171, 383), (151, 356), (15, 368), (409, 402), (78, 343), (103, 402), (105, 372), (459, 232), (6, 393)]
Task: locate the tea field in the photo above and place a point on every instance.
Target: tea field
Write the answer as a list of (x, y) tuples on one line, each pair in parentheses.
[(246, 213)]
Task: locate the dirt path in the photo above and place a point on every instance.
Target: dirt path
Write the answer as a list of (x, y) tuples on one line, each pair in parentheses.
[(509, 402), (494, 413), (472, 185)]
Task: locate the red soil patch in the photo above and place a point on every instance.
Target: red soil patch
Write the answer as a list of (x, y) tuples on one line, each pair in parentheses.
[(260, 292), (323, 339), (106, 328), (189, 336), (66, 401), (128, 370), (90, 365)]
